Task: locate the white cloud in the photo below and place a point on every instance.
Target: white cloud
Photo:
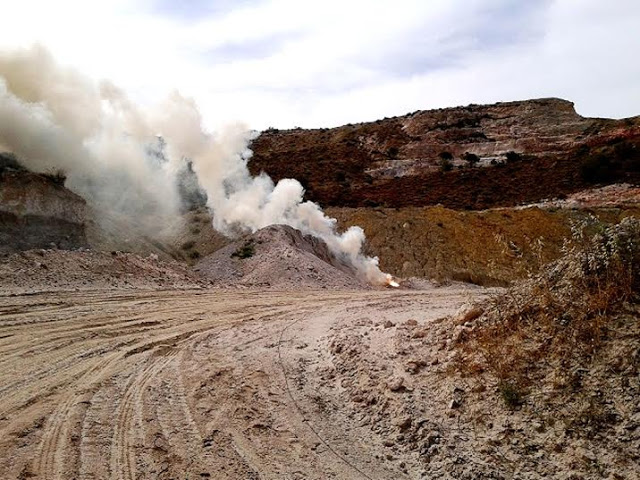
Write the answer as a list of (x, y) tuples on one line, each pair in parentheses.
[(285, 63)]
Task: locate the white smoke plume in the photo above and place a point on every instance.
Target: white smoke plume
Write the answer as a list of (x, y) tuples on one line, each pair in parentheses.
[(242, 202), (55, 118)]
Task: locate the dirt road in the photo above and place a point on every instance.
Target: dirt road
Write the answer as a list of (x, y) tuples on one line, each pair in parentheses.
[(192, 384)]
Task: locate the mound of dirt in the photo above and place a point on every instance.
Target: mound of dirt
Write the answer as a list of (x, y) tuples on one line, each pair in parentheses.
[(278, 256), (50, 270)]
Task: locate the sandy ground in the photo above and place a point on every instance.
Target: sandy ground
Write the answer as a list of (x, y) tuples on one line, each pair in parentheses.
[(194, 384)]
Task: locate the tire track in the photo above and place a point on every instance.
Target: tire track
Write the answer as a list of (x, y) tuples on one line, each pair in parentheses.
[(122, 464), (49, 460), (176, 421), (116, 382)]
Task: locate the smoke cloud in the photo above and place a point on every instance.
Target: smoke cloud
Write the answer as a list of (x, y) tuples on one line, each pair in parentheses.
[(241, 202), (55, 118)]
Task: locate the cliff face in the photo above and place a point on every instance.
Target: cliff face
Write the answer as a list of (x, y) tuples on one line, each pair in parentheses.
[(397, 162), (36, 211)]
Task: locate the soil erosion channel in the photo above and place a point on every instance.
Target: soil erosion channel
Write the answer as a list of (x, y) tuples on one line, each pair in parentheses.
[(192, 384)]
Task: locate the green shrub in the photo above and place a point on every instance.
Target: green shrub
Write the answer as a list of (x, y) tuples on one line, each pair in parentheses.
[(188, 245), (471, 158), (511, 395), (445, 165), (513, 157), (246, 251)]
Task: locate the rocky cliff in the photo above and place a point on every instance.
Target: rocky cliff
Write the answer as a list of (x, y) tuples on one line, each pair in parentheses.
[(522, 152), (37, 211)]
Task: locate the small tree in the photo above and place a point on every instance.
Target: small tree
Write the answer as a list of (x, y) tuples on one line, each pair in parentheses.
[(392, 152), (445, 165), (471, 158), (445, 155), (513, 157)]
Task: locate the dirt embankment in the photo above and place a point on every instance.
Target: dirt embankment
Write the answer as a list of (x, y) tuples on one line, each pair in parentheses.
[(37, 211), (491, 247), (53, 270), (397, 162)]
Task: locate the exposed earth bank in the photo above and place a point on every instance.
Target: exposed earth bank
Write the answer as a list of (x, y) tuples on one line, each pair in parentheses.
[(419, 159)]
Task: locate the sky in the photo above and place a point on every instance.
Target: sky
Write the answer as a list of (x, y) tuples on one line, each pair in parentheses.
[(290, 63)]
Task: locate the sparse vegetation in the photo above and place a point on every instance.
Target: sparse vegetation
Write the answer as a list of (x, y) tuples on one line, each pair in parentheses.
[(561, 316), (56, 176), (188, 245), (513, 157), (392, 152), (445, 165), (246, 251), (511, 395), (471, 158)]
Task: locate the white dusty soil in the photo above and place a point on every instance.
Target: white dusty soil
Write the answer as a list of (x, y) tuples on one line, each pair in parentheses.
[(50, 270), (268, 384), (278, 257), (222, 384)]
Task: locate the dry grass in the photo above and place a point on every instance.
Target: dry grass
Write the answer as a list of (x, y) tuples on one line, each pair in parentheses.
[(443, 244), (559, 319)]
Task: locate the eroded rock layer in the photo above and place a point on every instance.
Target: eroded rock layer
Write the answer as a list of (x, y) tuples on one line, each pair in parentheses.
[(398, 162), (36, 211)]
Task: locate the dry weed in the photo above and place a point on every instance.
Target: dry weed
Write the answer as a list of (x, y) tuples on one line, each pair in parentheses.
[(560, 316)]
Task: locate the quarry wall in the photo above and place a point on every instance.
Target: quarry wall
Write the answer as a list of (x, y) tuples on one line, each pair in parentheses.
[(492, 247), (38, 212)]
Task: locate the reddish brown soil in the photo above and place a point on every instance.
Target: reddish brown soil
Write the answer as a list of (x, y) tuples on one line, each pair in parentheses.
[(394, 162)]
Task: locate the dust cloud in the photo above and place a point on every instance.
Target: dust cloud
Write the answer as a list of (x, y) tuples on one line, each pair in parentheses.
[(125, 160)]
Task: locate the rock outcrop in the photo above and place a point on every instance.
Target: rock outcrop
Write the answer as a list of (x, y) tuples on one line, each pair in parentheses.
[(37, 211), (398, 162)]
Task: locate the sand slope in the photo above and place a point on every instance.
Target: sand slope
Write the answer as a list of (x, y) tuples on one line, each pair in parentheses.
[(280, 257)]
